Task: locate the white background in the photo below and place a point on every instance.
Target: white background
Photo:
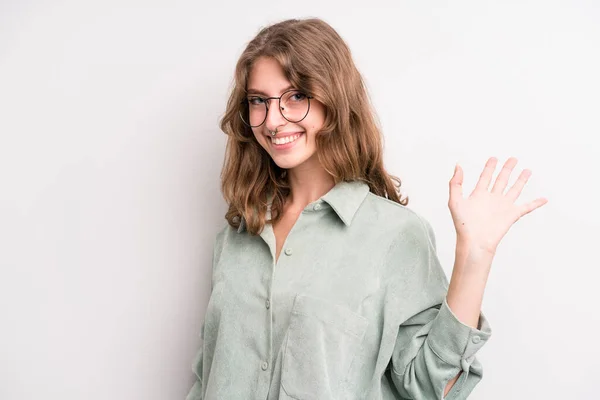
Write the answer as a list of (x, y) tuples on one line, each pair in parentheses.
[(110, 157)]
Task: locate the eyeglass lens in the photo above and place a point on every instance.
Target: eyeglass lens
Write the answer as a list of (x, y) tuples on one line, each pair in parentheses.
[(293, 105)]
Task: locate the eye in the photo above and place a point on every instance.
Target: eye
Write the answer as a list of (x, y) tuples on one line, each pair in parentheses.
[(297, 96), (255, 100)]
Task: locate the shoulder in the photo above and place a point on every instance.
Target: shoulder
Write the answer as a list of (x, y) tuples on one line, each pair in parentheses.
[(409, 262), (382, 214), (223, 235)]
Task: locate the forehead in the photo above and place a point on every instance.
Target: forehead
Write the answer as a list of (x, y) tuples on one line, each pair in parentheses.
[(267, 77)]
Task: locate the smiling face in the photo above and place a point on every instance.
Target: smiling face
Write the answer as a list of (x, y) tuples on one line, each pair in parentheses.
[(294, 144)]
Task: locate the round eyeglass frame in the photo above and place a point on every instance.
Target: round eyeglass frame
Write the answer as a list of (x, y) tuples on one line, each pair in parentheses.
[(245, 102)]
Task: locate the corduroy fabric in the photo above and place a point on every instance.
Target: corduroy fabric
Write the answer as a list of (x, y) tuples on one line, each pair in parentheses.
[(353, 309)]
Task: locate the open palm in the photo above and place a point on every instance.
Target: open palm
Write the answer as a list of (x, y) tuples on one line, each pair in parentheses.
[(482, 219)]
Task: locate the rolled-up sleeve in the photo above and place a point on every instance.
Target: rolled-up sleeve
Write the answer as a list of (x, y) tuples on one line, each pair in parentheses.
[(431, 344)]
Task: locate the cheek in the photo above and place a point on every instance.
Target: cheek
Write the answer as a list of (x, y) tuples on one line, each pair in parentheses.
[(262, 142), (318, 117), (317, 122), (259, 137)]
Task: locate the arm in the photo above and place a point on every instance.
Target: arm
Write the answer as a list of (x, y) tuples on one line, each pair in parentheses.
[(195, 392), (433, 350), (481, 221), (465, 294)]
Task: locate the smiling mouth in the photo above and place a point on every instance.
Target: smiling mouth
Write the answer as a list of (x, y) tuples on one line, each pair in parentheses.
[(286, 139)]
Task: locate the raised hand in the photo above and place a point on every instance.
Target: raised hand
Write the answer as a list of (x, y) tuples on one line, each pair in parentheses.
[(482, 219)]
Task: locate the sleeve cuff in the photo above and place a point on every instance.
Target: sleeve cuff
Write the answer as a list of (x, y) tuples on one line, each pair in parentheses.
[(455, 342)]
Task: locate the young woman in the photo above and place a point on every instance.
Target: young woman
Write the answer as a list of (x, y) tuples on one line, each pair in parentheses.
[(325, 285)]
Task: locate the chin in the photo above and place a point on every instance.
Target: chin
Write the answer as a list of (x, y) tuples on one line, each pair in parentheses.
[(287, 162)]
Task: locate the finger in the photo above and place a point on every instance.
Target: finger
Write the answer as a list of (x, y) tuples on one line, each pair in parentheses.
[(529, 207), (502, 179), (516, 189), (456, 184), (486, 174)]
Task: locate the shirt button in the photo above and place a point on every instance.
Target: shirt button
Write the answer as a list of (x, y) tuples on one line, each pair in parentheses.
[(264, 366), (476, 339), (317, 207), (267, 303), (288, 251)]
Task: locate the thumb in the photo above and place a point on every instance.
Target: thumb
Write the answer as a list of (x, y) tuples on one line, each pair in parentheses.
[(456, 184)]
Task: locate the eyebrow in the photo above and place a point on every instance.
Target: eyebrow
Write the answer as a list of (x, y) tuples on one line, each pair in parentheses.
[(256, 91)]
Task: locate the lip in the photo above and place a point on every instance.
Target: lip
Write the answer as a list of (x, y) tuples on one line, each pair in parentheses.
[(285, 146)]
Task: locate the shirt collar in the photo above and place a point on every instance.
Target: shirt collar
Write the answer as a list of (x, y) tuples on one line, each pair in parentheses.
[(344, 198)]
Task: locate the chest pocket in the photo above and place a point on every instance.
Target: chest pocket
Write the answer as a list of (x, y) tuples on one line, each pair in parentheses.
[(322, 341)]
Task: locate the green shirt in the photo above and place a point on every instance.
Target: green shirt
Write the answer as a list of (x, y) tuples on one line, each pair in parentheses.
[(354, 308)]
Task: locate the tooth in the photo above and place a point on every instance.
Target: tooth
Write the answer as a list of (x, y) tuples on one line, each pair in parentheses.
[(285, 140)]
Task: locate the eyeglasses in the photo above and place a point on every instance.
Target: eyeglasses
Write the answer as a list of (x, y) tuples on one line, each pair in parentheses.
[(293, 106)]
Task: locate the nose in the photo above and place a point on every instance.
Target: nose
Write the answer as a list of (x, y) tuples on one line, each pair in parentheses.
[(274, 116)]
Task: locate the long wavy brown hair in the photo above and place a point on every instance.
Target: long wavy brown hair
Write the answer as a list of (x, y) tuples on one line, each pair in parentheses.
[(317, 61)]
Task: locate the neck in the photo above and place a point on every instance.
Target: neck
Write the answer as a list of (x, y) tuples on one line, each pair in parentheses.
[(308, 182)]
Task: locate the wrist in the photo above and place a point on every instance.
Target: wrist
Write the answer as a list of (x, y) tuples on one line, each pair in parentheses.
[(472, 262), (471, 249)]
